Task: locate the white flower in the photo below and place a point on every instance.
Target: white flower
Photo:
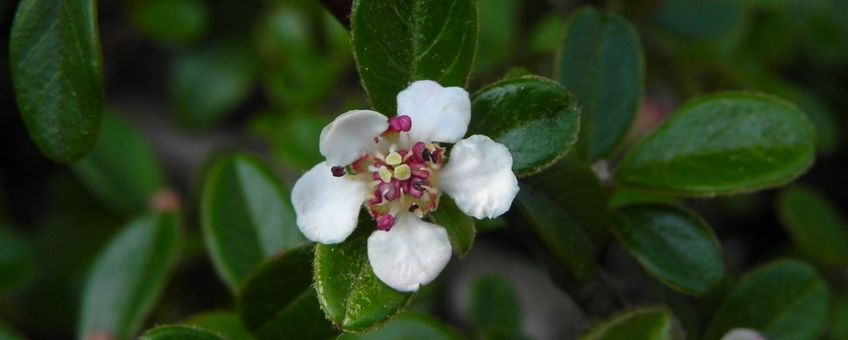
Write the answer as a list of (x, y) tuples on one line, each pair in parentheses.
[(743, 334), (398, 170)]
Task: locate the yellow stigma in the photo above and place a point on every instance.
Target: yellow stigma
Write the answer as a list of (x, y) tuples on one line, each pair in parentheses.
[(394, 159), (403, 172), (385, 174)]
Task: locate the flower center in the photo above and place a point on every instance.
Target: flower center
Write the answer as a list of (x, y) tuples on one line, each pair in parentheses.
[(399, 179)]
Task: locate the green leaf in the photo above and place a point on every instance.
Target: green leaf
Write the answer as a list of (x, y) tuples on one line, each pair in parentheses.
[(16, 260), (398, 42), (353, 298), (171, 21), (815, 225), (655, 323), (180, 332), (293, 136), (785, 299), (838, 320), (601, 63), (498, 30), (722, 144), (227, 324), (54, 53), (8, 333), (277, 300), (128, 276), (459, 226), (121, 169), (534, 117), (567, 208), (494, 307), (699, 19), (672, 244), (246, 216), (208, 83), (408, 326)]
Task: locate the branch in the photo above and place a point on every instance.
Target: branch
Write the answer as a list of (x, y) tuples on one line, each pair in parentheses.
[(340, 9)]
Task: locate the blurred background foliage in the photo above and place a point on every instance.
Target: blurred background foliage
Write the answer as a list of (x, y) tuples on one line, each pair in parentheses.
[(187, 80)]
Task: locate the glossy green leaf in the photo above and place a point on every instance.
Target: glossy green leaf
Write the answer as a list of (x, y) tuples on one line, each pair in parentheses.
[(408, 326), (352, 297), (277, 300), (494, 307), (397, 42), (534, 117), (227, 324), (601, 63), (460, 227), (623, 197), (786, 299), (55, 59), (674, 245), (208, 83), (121, 169), (129, 275), (16, 260), (180, 332), (655, 323), (722, 144), (815, 225), (171, 21), (567, 208), (246, 216)]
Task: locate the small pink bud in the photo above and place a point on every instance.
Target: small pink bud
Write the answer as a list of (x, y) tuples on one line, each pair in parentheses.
[(385, 222), (400, 123)]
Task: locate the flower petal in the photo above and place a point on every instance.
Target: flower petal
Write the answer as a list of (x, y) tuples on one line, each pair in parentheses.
[(327, 207), (351, 135), (409, 255), (439, 114), (479, 177), (743, 334)]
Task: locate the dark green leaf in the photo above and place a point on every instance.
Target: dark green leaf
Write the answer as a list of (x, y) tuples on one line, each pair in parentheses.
[(838, 320), (567, 208), (534, 117), (498, 30), (293, 136), (814, 224), (494, 306), (171, 21), (601, 63), (277, 300), (397, 42), (722, 144), (246, 216), (699, 19), (180, 332), (408, 326), (655, 323), (54, 52), (623, 197), (16, 260), (227, 324), (460, 227), (128, 276), (353, 298), (783, 300), (674, 245), (121, 169), (207, 84)]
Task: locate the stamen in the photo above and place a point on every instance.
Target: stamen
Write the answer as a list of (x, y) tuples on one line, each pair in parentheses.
[(385, 222), (403, 172), (385, 174), (413, 207), (337, 171), (400, 123), (394, 159)]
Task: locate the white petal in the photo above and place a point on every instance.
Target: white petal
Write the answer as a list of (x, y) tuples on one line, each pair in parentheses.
[(351, 135), (409, 255), (327, 207), (479, 177), (743, 334), (439, 114)]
